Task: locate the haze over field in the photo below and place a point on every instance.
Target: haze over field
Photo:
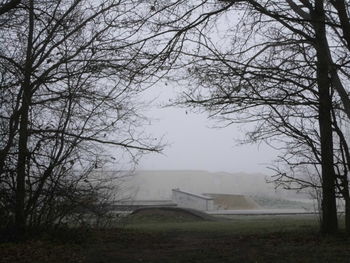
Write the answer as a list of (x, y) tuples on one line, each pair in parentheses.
[(192, 142), (157, 184)]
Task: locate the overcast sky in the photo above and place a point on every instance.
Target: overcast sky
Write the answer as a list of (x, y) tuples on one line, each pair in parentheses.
[(193, 144)]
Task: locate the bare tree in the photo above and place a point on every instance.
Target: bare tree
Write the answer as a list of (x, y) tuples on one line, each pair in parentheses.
[(286, 61), (7, 6), (69, 73), (284, 65)]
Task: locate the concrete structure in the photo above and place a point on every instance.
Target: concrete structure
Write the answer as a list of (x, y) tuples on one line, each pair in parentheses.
[(194, 201), (233, 202)]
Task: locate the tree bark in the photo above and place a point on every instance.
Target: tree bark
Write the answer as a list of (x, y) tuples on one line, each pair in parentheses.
[(347, 210), (329, 224), (20, 217)]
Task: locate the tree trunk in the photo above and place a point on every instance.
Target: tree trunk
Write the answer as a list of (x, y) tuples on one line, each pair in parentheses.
[(329, 224), (20, 217), (329, 213), (347, 214)]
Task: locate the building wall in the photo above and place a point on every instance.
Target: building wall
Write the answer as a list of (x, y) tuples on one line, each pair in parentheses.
[(190, 200), (233, 202)]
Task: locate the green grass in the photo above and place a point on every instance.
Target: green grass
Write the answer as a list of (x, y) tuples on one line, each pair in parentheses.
[(242, 239), (167, 215), (244, 225), (245, 239)]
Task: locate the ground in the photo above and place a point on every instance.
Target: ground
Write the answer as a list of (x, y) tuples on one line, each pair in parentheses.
[(238, 239)]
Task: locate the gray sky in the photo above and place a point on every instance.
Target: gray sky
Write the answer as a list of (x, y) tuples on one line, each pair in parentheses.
[(193, 145)]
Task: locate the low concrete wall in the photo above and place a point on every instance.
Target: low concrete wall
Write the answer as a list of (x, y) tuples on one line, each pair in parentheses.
[(194, 201), (233, 202)]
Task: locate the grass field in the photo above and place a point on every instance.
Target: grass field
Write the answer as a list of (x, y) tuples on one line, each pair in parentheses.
[(234, 225), (239, 239)]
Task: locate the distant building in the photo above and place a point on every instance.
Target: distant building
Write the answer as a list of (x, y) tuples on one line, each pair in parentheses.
[(210, 202), (204, 202), (233, 202), (191, 200)]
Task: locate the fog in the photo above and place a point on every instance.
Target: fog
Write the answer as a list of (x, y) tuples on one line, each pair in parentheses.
[(198, 156), (192, 142), (157, 184)]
